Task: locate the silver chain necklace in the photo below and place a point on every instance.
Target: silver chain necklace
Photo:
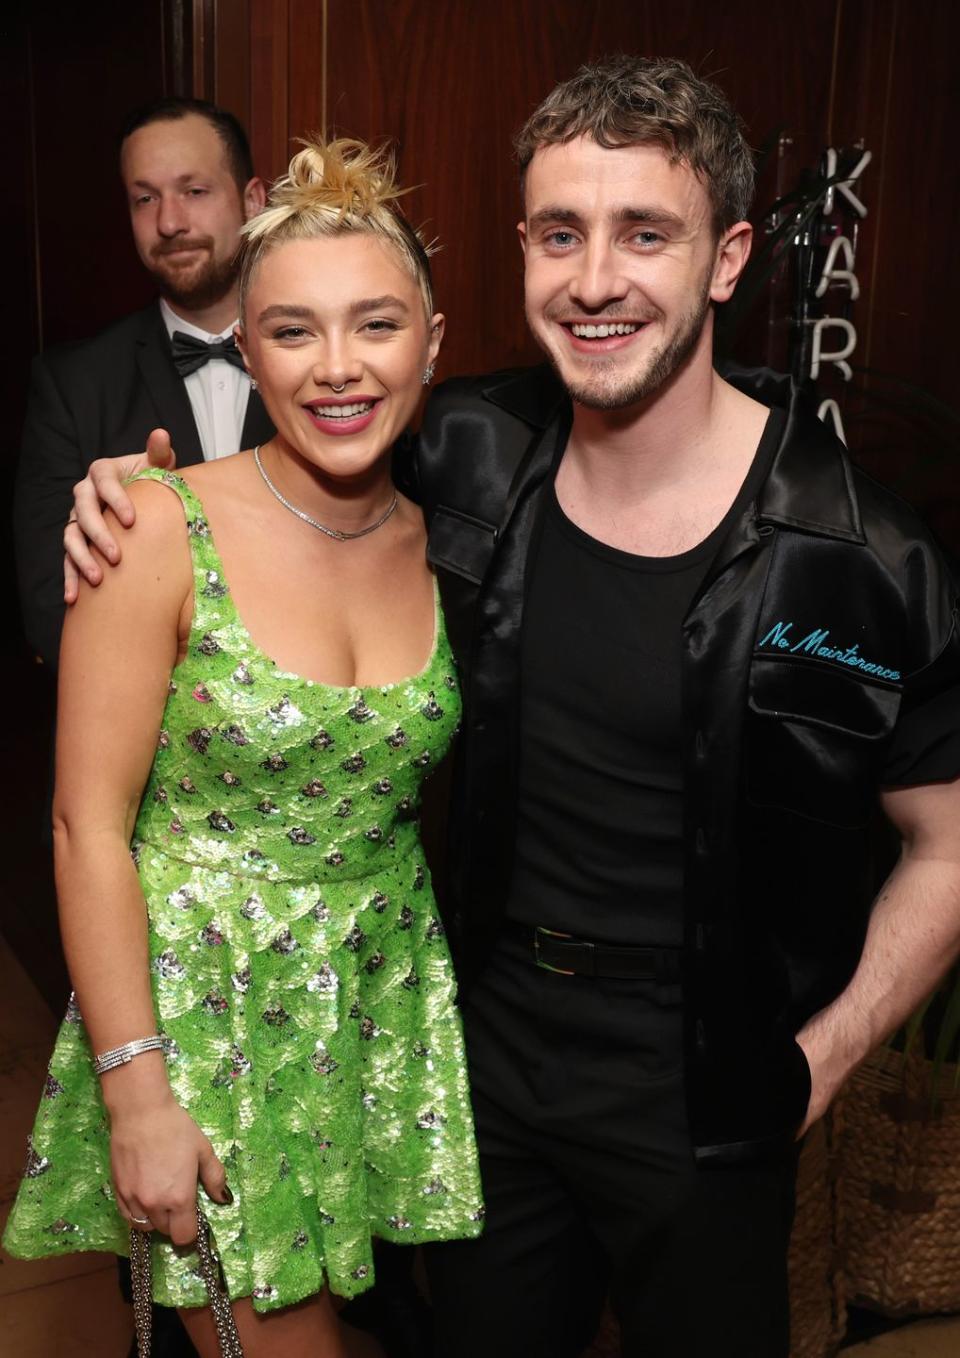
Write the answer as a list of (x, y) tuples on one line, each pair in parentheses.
[(339, 534)]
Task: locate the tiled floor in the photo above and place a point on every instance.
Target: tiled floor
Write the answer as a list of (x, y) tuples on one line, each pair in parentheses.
[(70, 1307)]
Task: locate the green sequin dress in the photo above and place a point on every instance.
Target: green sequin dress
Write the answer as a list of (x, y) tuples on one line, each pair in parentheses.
[(300, 975)]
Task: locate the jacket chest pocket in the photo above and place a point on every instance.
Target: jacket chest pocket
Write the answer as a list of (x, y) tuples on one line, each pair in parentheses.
[(816, 738), (460, 549), (459, 543)]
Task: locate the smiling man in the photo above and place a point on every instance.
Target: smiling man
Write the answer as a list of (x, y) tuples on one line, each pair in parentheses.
[(661, 882), (190, 186), (699, 652)]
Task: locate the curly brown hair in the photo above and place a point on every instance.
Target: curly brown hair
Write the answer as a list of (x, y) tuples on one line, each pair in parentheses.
[(628, 101)]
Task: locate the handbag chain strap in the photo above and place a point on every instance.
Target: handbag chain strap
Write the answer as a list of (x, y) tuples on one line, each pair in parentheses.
[(211, 1270), (141, 1276)]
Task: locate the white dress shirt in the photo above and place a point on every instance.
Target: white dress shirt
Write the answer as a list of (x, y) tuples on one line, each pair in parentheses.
[(218, 392)]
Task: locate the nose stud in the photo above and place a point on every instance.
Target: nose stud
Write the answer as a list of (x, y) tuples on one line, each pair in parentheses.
[(342, 387)]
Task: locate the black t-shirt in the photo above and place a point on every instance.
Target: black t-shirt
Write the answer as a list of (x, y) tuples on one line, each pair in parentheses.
[(599, 828)]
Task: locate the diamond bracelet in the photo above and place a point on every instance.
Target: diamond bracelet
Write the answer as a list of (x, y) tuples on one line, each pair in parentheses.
[(120, 1056)]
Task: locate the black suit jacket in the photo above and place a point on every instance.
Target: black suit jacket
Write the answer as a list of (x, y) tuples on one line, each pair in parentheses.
[(97, 398)]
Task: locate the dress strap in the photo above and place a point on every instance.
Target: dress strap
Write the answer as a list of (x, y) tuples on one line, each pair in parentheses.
[(213, 605), (191, 501)]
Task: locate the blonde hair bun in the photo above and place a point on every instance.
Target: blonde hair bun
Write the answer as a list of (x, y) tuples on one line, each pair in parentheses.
[(344, 176), (333, 188)]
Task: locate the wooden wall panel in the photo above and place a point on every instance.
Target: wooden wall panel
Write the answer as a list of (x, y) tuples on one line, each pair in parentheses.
[(91, 66), (203, 32), (898, 91), (305, 99), (269, 76), (231, 57), (916, 278)]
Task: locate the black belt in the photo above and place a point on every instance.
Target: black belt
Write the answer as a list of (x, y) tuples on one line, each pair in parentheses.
[(571, 956)]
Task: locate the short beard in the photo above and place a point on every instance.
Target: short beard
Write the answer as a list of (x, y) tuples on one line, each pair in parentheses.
[(203, 287), (663, 364)]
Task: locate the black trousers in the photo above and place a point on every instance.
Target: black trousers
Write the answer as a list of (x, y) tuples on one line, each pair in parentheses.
[(592, 1191)]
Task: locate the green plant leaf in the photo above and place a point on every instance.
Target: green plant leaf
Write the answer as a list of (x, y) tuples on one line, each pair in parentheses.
[(914, 1024)]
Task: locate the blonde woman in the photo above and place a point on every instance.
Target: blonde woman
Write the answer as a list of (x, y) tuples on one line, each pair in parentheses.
[(248, 706)]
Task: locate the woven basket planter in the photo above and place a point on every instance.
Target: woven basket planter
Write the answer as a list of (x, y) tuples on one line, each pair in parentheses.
[(900, 1187), (817, 1310)]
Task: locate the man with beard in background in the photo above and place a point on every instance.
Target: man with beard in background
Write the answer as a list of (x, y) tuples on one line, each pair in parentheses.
[(190, 186)]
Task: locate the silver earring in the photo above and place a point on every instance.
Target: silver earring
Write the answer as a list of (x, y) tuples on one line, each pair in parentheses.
[(428, 375), (253, 384)]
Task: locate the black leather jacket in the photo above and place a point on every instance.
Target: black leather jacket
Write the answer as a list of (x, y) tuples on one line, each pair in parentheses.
[(827, 617)]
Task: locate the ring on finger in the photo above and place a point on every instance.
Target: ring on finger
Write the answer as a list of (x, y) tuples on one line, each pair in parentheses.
[(140, 1221)]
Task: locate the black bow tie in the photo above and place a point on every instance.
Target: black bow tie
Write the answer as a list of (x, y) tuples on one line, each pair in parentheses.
[(189, 354)]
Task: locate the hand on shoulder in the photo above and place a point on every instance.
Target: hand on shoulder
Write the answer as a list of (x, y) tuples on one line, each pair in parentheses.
[(150, 593), (87, 528)]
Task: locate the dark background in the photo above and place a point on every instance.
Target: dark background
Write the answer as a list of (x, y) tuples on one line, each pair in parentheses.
[(450, 80)]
